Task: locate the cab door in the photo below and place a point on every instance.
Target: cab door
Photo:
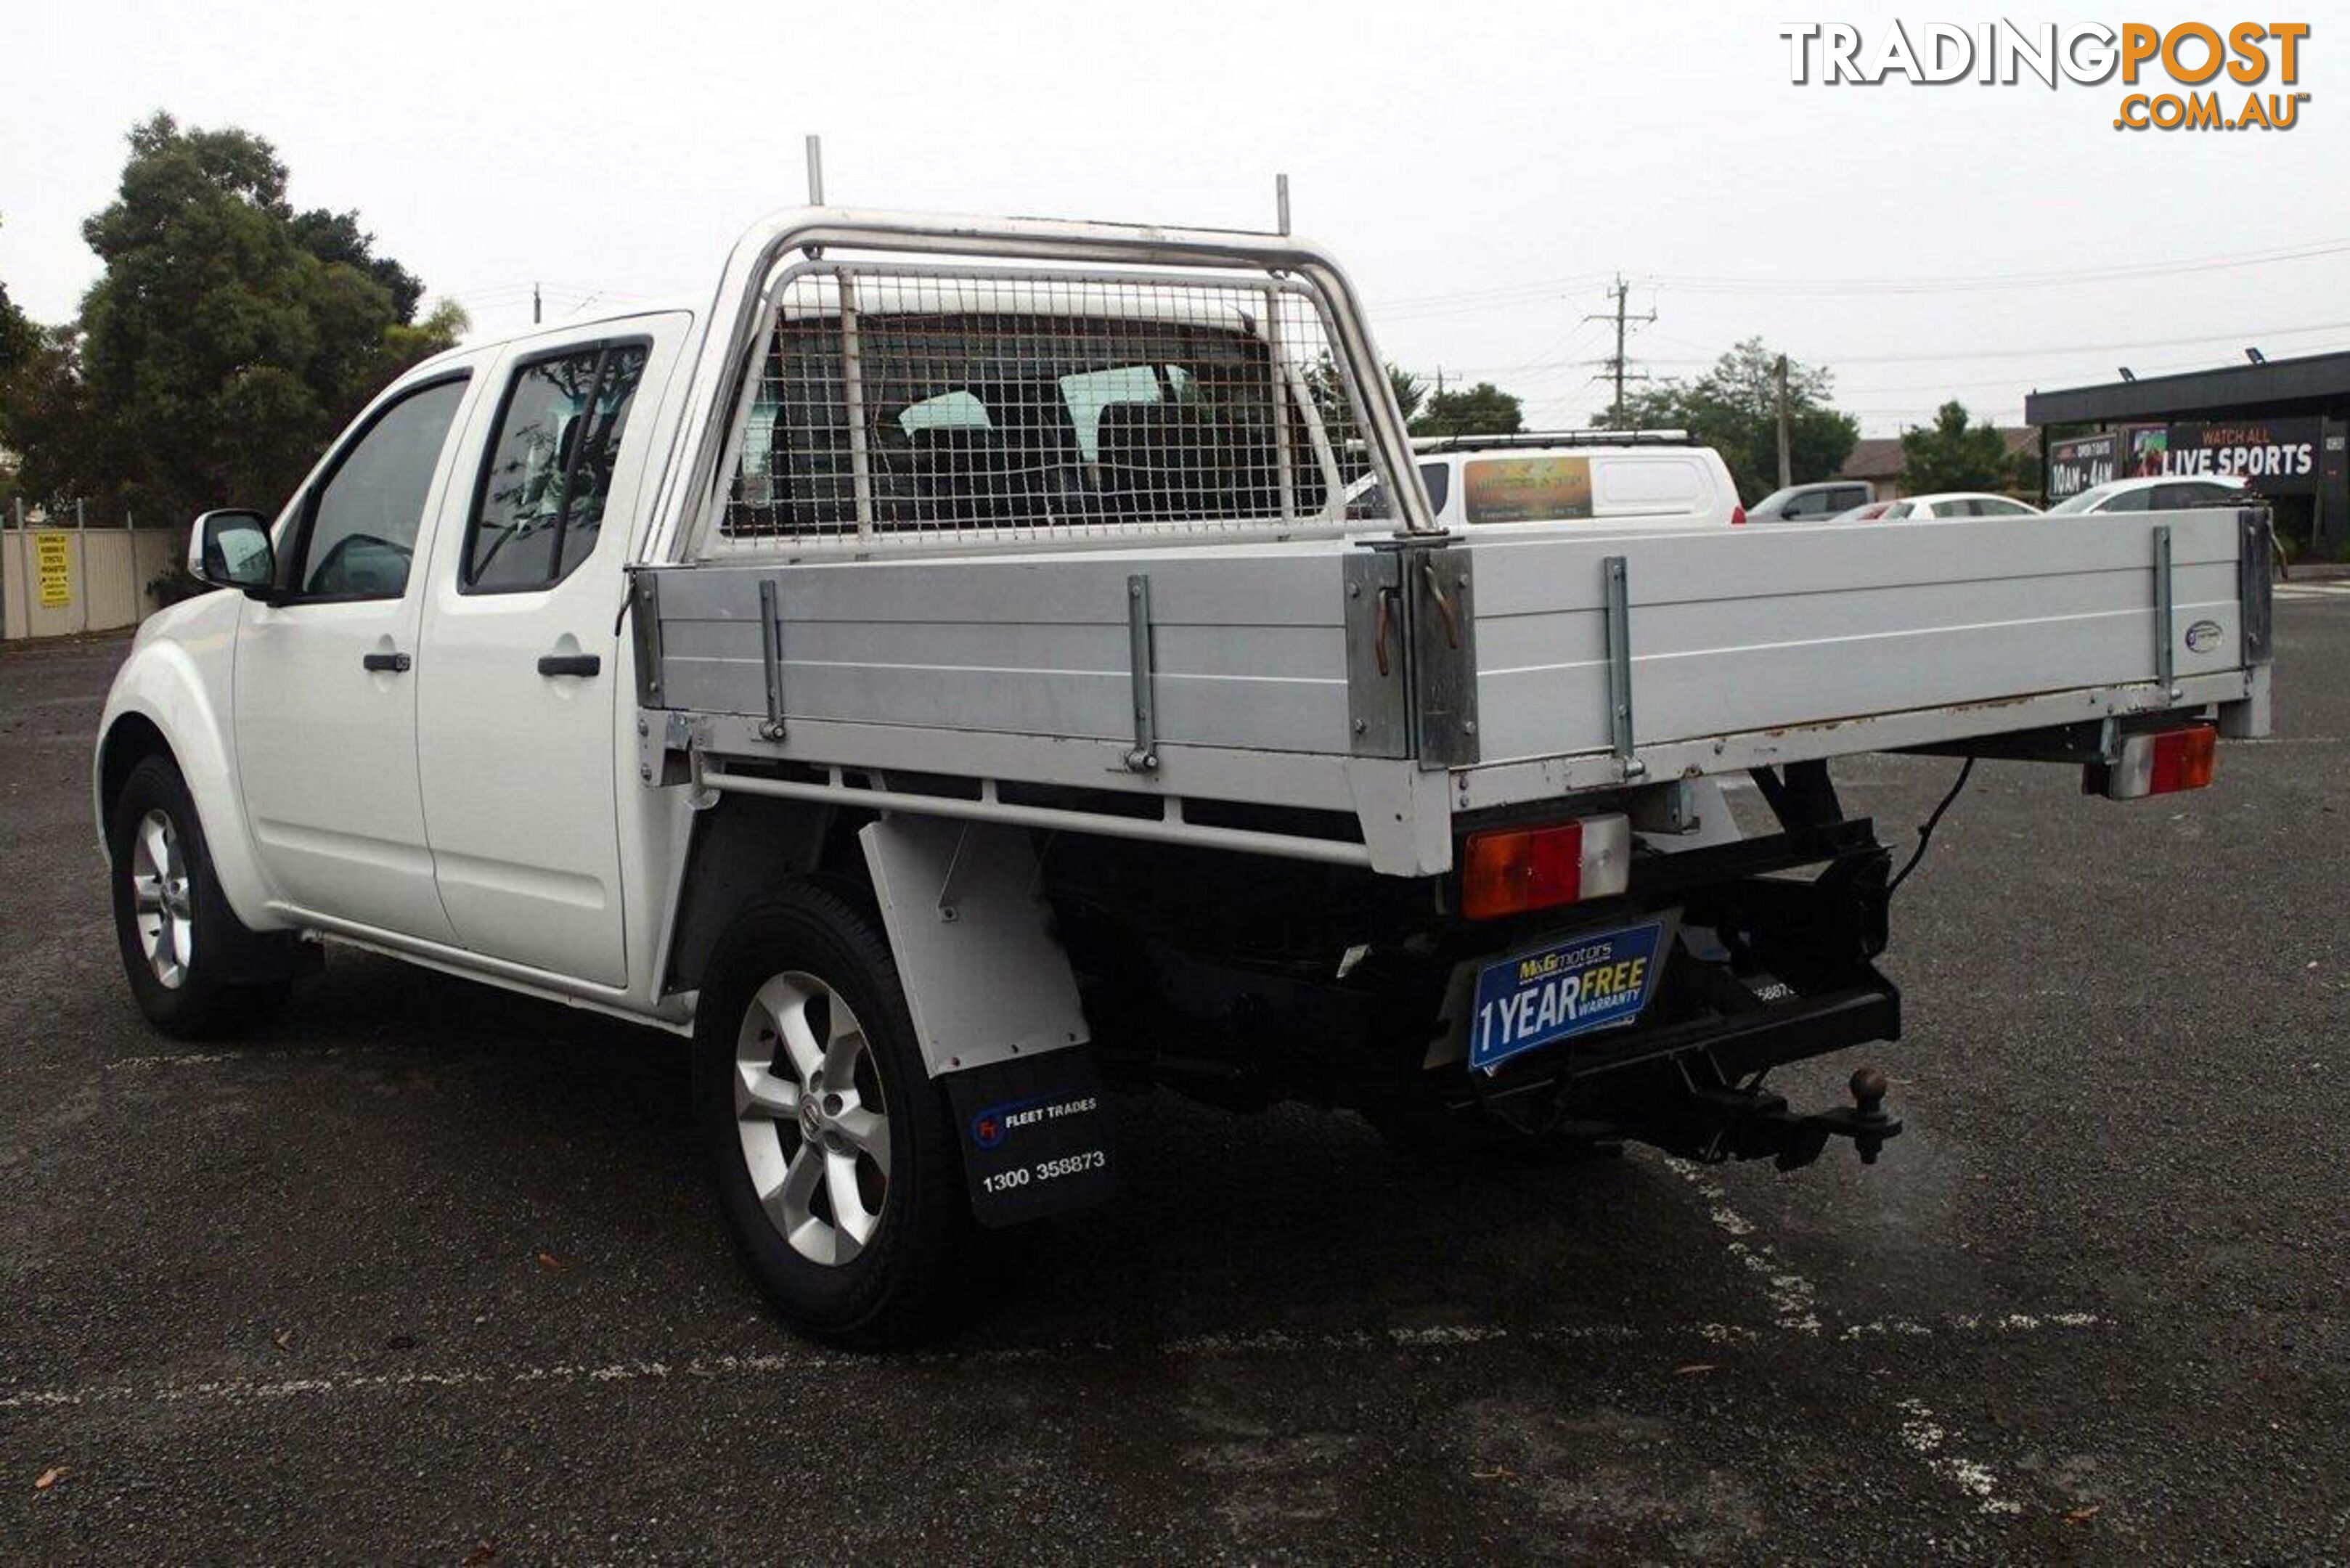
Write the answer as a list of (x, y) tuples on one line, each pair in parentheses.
[(327, 672), (521, 715)]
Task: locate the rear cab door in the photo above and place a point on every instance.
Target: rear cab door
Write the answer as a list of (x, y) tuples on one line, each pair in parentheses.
[(520, 708)]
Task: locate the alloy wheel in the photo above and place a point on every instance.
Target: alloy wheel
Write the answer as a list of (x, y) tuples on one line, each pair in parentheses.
[(162, 898), (813, 1119)]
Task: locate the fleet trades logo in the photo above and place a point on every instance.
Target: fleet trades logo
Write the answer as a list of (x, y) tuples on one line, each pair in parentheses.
[(2260, 58)]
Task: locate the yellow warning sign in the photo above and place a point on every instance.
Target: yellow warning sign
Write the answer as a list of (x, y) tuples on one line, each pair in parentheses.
[(53, 566)]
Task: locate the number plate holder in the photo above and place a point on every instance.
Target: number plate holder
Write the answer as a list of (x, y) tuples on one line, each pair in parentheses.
[(1569, 986)]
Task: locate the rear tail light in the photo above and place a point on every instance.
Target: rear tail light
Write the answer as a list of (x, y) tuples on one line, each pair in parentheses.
[(1511, 870), (1737, 517), (2163, 762)]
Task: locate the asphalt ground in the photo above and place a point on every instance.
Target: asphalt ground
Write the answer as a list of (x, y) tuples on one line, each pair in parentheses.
[(424, 1271)]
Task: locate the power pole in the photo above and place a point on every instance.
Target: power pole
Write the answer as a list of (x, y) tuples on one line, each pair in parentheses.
[(1614, 367), (1786, 461)]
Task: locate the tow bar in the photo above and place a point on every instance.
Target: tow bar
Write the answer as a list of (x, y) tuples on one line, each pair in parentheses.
[(1725, 1124)]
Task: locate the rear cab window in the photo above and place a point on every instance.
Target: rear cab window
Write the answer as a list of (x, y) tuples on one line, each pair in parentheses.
[(538, 505)]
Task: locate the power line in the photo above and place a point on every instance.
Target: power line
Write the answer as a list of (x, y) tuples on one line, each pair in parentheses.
[(2245, 333), (1500, 296), (1998, 281), (1455, 301)]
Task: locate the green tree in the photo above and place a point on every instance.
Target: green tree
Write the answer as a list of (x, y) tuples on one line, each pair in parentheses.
[(42, 403), (1954, 454), (228, 338), (1411, 390), (1733, 408), (1482, 410), (336, 237), (20, 340)]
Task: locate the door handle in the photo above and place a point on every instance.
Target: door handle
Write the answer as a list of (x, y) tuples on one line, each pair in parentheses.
[(570, 664), (385, 663)]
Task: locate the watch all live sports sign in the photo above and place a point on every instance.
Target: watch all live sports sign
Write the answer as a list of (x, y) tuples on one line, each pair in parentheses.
[(2273, 456)]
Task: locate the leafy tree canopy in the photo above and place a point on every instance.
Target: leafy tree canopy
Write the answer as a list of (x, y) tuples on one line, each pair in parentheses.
[(226, 340), (1411, 390), (1953, 454), (1734, 408), (1482, 410), (19, 339)]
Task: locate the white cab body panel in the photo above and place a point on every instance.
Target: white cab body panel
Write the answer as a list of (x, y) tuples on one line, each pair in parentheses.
[(327, 746)]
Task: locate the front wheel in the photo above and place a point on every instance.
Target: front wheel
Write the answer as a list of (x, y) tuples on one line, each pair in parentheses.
[(830, 1150), (189, 959)]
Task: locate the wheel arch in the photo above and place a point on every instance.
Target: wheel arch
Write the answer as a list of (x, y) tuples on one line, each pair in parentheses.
[(745, 848), (163, 705)]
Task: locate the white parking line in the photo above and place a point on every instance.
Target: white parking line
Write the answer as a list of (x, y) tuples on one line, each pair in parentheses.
[(333, 1384), (1794, 1301), (2312, 590), (1929, 1442), (169, 1059), (1794, 1306), (174, 1059)]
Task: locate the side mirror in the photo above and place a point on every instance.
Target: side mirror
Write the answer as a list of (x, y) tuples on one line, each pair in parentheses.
[(230, 550)]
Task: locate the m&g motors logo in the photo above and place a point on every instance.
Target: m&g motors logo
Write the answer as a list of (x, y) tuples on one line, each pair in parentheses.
[(2239, 76)]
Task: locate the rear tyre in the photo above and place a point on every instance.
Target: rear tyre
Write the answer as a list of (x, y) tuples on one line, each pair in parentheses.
[(830, 1151), (189, 959)]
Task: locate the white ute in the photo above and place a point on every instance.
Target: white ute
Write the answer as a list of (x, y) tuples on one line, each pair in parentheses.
[(939, 676)]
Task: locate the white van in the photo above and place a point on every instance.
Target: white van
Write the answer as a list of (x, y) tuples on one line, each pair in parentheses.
[(1638, 478)]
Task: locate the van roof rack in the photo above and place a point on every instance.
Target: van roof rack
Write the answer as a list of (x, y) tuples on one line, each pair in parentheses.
[(1550, 438)]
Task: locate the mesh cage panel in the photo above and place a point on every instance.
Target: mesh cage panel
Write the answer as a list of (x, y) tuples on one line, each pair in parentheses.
[(949, 406)]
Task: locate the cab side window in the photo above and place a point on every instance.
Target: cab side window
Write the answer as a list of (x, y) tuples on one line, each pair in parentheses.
[(2181, 497), (1437, 477), (539, 504), (361, 532)]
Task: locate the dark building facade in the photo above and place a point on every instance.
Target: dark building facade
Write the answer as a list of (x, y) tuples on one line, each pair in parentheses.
[(2278, 425)]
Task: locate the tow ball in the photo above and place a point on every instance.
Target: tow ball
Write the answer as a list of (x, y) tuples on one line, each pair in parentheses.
[(1868, 1123), (1754, 1124)]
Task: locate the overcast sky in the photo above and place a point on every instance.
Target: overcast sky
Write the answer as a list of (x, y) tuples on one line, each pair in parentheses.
[(1483, 168)]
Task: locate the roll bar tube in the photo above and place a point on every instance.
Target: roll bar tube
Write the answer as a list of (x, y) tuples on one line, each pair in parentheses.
[(690, 478)]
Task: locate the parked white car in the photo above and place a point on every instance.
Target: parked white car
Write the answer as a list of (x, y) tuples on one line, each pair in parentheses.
[(2160, 494), (1639, 479), (1955, 503)]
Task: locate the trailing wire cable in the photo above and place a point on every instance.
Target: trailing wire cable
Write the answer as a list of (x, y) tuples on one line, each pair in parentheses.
[(1926, 831)]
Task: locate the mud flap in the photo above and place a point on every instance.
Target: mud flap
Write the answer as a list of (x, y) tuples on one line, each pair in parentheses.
[(1035, 1136)]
